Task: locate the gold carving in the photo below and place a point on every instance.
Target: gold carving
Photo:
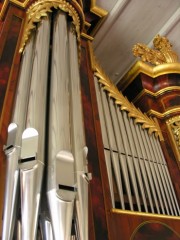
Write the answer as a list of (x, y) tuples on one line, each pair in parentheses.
[(162, 52), (125, 105), (152, 71), (86, 36), (174, 131), (40, 9)]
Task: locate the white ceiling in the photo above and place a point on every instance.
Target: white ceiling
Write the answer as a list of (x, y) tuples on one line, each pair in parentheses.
[(130, 22)]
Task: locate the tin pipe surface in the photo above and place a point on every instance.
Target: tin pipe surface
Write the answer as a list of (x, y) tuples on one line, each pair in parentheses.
[(31, 172), (78, 139), (18, 118), (60, 142)]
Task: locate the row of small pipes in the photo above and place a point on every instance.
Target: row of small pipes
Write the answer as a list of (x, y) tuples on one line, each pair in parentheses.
[(136, 160), (46, 139)]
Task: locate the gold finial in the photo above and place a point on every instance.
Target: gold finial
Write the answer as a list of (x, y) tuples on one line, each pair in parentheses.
[(162, 52)]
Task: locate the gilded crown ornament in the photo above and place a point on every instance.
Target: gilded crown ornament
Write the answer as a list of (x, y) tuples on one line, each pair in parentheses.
[(160, 54)]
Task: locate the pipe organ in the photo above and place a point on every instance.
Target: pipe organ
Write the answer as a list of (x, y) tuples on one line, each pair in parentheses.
[(47, 131), (82, 161)]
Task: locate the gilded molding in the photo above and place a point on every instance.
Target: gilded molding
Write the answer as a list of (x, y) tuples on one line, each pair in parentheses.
[(6, 2), (160, 54), (165, 114), (125, 105), (97, 10), (143, 214), (41, 8), (173, 125), (156, 94), (151, 71)]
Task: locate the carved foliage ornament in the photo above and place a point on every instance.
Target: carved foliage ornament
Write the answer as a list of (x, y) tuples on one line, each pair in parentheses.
[(174, 129), (162, 52), (147, 123), (41, 9)]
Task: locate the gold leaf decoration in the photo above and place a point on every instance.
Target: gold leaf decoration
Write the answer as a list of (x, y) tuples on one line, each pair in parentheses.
[(162, 52), (140, 118), (174, 131), (41, 9)]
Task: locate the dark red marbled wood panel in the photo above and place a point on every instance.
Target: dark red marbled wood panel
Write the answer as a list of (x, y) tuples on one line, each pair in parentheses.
[(155, 231), (170, 159), (7, 56), (10, 35), (9, 64), (126, 226), (96, 188), (171, 100), (1, 25)]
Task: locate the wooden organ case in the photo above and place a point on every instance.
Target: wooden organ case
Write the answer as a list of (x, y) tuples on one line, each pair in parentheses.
[(134, 191)]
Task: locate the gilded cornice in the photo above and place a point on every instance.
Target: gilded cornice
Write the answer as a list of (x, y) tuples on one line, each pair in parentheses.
[(173, 125), (147, 123), (41, 8), (156, 94), (151, 71), (165, 114)]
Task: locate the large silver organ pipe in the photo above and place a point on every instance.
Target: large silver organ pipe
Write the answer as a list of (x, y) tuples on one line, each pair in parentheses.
[(12, 149), (33, 138), (136, 167), (78, 139), (48, 120), (61, 172)]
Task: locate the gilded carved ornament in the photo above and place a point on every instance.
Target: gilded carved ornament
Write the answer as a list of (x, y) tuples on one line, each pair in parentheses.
[(41, 8), (160, 54), (146, 122), (174, 130)]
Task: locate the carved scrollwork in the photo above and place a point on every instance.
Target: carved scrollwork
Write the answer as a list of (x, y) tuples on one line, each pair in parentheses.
[(41, 9), (174, 129)]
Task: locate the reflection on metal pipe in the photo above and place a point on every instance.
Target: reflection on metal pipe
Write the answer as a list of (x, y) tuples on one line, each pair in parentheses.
[(32, 163), (79, 149), (108, 151), (150, 171), (61, 197), (155, 173), (158, 173), (12, 149), (143, 165), (123, 159), (61, 164), (168, 180)]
